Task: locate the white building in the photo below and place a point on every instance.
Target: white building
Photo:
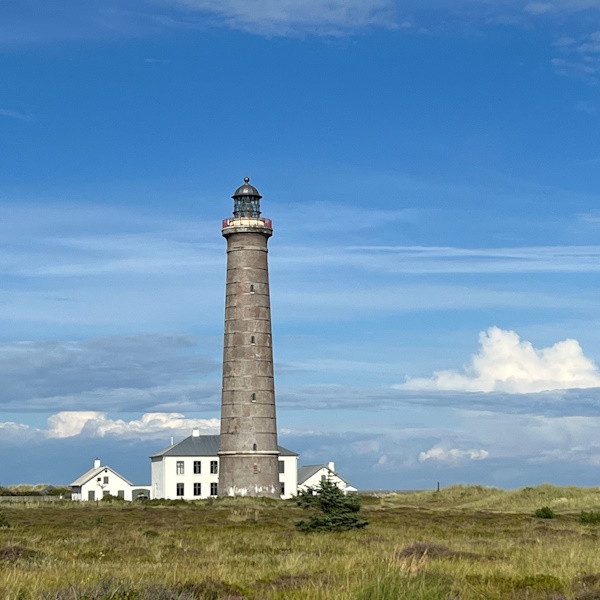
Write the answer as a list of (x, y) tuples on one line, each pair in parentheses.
[(312, 475), (189, 469), (101, 481)]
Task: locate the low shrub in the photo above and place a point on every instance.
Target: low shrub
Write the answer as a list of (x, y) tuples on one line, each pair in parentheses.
[(591, 517), (3, 520), (545, 513), (111, 498)]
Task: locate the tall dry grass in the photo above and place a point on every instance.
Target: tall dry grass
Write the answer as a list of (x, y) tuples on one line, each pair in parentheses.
[(462, 543)]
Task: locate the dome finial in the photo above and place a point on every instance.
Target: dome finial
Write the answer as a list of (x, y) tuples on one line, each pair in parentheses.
[(247, 200)]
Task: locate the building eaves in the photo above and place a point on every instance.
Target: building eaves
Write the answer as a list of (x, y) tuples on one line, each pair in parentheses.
[(94, 473), (306, 472), (203, 445)]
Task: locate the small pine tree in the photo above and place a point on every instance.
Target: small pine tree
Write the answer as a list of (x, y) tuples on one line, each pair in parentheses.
[(337, 511)]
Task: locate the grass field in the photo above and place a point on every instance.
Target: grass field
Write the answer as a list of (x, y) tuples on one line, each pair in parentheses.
[(463, 543)]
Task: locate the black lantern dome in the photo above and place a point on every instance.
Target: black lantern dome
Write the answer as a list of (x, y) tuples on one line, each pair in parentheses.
[(246, 200)]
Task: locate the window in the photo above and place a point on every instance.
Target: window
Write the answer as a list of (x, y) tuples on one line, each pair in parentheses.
[(121, 493), (197, 489), (323, 478), (281, 466), (105, 493), (253, 397), (179, 467), (180, 489), (213, 489), (282, 488), (252, 339), (214, 467), (252, 288), (197, 467), (105, 479), (256, 468), (254, 447)]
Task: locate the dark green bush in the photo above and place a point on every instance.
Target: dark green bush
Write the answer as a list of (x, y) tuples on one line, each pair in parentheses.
[(591, 517), (3, 520), (111, 498), (545, 513), (336, 511)]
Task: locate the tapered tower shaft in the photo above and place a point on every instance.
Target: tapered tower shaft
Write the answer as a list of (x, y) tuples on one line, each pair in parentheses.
[(248, 454)]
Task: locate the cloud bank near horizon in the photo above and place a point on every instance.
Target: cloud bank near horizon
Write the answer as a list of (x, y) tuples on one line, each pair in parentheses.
[(505, 363), (96, 424), (120, 373)]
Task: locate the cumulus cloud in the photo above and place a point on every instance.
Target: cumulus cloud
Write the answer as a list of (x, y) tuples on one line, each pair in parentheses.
[(97, 424), (505, 363), (11, 432), (452, 455)]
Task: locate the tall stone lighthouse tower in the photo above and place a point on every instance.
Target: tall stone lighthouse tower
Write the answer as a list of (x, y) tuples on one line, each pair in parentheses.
[(248, 455)]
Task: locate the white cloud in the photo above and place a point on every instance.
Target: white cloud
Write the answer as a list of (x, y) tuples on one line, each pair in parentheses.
[(11, 432), (538, 8), (448, 259), (586, 106), (70, 423), (96, 424), (581, 58), (558, 6), (453, 455), (288, 17), (13, 114), (505, 363)]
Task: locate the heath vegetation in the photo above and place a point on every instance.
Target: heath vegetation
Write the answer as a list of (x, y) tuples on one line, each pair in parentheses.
[(462, 543)]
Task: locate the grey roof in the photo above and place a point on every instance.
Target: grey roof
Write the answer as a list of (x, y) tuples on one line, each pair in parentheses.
[(246, 190), (203, 445), (308, 471), (95, 472)]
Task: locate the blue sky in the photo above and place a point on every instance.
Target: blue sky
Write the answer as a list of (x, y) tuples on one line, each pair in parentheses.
[(432, 174)]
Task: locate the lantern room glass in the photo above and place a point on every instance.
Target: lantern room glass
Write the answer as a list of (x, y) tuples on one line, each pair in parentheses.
[(246, 206)]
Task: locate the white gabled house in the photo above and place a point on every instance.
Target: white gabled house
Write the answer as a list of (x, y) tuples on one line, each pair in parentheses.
[(101, 481), (312, 475), (189, 469)]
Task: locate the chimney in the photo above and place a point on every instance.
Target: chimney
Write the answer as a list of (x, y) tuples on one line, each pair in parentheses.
[(331, 466), (97, 463), (195, 433)]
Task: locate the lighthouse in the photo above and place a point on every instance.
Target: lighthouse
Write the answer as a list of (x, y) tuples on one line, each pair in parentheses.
[(248, 452)]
